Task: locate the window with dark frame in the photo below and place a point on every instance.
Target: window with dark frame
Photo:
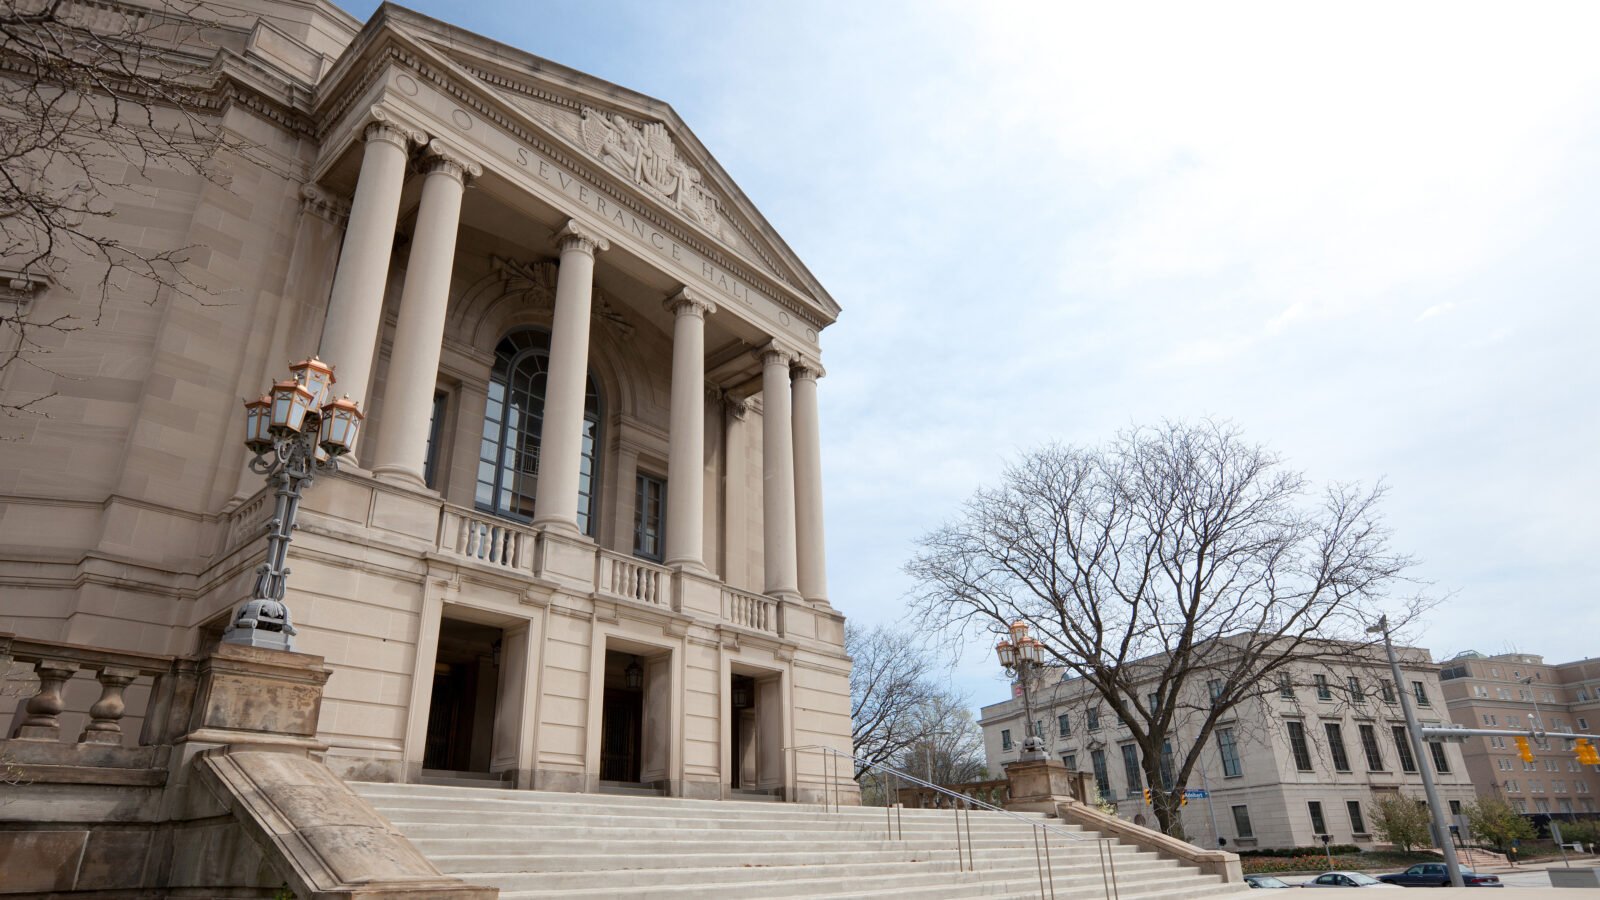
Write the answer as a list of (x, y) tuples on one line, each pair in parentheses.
[(1402, 744), (1092, 718), (1005, 739), (1388, 690), (1241, 822), (1421, 693), (649, 503), (1167, 770), (1358, 825), (1323, 691), (1063, 725), (1102, 779), (1341, 760), (1229, 751), (1441, 763), (1319, 825), (1369, 746), (1285, 686), (1298, 746), (1130, 767), (1214, 689), (1353, 685)]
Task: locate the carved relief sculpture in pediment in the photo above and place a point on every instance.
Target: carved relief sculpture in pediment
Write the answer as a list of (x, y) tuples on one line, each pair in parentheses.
[(645, 155)]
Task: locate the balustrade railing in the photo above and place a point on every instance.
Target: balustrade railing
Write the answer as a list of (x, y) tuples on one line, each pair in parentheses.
[(634, 579), (487, 540), (54, 665), (752, 611), (995, 792), (248, 521)]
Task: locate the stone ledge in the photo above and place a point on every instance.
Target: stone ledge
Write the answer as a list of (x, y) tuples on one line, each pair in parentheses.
[(1213, 862)]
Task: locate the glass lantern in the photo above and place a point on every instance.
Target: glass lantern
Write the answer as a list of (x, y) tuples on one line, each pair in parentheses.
[(315, 374), (291, 400), (1007, 653), (341, 423), (1028, 650), (257, 424), (1019, 632)]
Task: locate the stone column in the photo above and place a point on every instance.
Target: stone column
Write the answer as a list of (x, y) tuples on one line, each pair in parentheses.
[(686, 472), (777, 475), (555, 502), (810, 552), (350, 334), (735, 548), (419, 332)]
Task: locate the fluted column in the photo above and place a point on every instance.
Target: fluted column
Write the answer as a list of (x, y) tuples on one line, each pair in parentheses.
[(777, 475), (419, 331), (810, 554), (350, 333), (561, 435), (686, 471)]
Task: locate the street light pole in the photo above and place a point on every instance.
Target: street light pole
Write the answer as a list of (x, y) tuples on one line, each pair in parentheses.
[(296, 432), (1452, 864), (1019, 656)]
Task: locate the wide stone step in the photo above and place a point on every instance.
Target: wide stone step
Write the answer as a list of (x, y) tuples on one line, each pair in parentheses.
[(658, 859), (624, 847), (595, 816)]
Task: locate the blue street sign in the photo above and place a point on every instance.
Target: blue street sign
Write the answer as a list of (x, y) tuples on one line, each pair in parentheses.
[(1196, 793)]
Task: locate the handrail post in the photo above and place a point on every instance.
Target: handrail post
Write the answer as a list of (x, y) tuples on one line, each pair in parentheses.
[(1049, 867), (1038, 863), (1116, 892), (972, 859)]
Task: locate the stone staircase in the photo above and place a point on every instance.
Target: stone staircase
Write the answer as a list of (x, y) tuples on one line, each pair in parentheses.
[(533, 844)]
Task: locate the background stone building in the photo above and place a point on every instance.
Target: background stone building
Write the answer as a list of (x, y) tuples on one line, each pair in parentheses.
[(1504, 691), (581, 539), (1304, 760)]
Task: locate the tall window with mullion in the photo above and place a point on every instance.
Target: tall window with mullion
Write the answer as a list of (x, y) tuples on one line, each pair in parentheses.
[(1130, 767), (1298, 745), (1341, 760), (1228, 749), (1369, 746), (649, 499), (1102, 778), (1402, 745), (508, 456)]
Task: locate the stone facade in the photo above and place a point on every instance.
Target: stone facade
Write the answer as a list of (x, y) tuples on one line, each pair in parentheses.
[(1263, 775), (616, 575), (1507, 691)]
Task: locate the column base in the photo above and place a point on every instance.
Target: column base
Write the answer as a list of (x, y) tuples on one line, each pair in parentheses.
[(558, 525), (691, 566), (788, 596)]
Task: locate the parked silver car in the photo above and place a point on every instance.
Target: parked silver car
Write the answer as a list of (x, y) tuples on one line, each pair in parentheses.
[(1347, 880)]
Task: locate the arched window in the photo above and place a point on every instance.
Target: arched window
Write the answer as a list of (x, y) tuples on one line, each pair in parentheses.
[(508, 457)]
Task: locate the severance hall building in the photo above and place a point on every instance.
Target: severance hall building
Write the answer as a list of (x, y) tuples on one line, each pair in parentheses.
[(580, 543)]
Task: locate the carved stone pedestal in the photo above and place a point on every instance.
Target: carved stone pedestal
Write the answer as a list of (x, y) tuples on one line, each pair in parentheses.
[(1037, 785)]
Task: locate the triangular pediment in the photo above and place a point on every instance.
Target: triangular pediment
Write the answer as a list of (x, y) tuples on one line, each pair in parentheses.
[(636, 140)]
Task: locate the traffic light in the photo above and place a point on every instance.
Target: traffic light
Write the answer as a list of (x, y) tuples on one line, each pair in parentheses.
[(1146, 796), (1523, 750), (1587, 753), (1183, 799)]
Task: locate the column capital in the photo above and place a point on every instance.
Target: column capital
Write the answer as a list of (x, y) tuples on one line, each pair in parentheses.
[(776, 353), (383, 125), (575, 235), (323, 205), (450, 160), (738, 408), (689, 302), (807, 369)]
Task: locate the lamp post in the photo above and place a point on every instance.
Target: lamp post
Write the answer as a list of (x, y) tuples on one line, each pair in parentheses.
[(296, 432), (1019, 655), (1452, 864)]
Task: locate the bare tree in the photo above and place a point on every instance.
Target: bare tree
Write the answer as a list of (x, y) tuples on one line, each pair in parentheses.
[(890, 687), (949, 746), (98, 96), (1179, 570)]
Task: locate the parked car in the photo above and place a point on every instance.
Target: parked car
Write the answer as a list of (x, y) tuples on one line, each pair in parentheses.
[(1265, 881), (1436, 875), (1346, 880)]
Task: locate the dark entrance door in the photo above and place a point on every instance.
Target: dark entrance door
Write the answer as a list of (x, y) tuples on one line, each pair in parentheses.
[(621, 726), (466, 676)]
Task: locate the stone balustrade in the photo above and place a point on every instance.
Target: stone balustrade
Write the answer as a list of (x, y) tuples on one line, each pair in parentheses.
[(995, 792), (54, 665), (634, 579), (752, 611), (487, 540)]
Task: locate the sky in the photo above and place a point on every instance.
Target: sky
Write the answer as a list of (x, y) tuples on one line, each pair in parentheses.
[(1365, 233)]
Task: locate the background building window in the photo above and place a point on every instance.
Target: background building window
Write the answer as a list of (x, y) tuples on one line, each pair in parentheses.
[(1353, 685), (1402, 746), (1241, 822), (1358, 825), (1369, 746), (1092, 718), (1229, 751), (649, 499), (1323, 693), (1102, 779), (1441, 763), (1130, 765), (508, 456), (1070, 760), (1167, 770), (1341, 761), (1285, 686), (1063, 726), (1298, 746), (1214, 689), (1005, 739), (1421, 693), (1388, 690), (1318, 824)]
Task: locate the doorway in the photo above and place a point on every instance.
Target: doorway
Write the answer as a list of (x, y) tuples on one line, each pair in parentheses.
[(634, 715), (756, 733), (466, 684)]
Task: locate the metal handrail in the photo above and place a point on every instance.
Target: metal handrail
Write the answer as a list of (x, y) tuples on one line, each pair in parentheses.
[(1042, 860)]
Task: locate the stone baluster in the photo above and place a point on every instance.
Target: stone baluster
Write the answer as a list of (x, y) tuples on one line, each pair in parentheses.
[(105, 716), (44, 708)]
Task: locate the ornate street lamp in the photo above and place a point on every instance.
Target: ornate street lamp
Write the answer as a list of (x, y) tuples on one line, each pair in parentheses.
[(1020, 655), (296, 432)]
